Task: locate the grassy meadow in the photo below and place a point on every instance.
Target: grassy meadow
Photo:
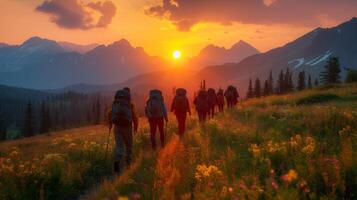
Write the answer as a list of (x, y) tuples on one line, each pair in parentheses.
[(298, 146)]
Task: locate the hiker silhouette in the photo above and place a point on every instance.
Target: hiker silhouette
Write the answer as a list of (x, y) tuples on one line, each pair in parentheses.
[(156, 113), (212, 102), (124, 117), (232, 96), (201, 105), (220, 100), (181, 106)]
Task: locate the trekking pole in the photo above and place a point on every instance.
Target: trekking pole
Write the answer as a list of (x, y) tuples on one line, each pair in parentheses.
[(106, 149)]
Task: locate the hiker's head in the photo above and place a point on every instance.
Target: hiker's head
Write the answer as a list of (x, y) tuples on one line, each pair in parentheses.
[(122, 94)]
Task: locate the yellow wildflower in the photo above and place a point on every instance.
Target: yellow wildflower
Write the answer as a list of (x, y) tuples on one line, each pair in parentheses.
[(290, 176)]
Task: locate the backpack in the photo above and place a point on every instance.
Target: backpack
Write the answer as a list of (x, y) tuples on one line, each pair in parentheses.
[(180, 101), (154, 106), (212, 98), (121, 109), (201, 101)]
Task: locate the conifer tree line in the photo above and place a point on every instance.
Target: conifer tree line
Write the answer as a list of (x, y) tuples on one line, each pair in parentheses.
[(58, 112), (285, 83)]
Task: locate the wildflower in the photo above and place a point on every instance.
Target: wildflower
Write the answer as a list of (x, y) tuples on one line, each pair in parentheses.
[(275, 185), (72, 145), (230, 189), (290, 176), (255, 150), (310, 145), (14, 154)]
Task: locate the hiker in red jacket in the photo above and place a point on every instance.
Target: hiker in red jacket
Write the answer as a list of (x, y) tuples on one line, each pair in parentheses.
[(180, 106), (220, 100), (156, 112)]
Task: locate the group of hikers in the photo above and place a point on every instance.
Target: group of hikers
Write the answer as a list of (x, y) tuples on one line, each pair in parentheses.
[(125, 119)]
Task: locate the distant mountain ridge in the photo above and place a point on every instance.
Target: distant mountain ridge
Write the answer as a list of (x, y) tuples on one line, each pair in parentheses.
[(214, 55), (309, 53), (44, 64), (41, 63), (68, 46)]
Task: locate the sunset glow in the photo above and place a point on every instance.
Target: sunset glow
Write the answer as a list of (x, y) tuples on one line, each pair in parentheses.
[(176, 54)]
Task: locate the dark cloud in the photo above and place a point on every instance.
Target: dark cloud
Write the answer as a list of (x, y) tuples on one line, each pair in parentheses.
[(72, 14), (186, 13)]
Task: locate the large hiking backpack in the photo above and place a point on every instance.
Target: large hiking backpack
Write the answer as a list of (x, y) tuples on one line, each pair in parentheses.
[(201, 101), (154, 106), (211, 97), (121, 109), (180, 101)]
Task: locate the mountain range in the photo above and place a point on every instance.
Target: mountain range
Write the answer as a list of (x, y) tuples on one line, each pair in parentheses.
[(46, 64)]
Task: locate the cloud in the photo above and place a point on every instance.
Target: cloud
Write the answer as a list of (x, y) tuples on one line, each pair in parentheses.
[(186, 13), (72, 14)]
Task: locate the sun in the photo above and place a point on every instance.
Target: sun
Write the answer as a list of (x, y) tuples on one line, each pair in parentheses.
[(176, 54)]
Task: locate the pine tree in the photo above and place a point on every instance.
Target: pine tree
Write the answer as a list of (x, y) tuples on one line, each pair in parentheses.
[(281, 83), (28, 126), (250, 90), (331, 75), (301, 81), (257, 88), (351, 76), (309, 82), (316, 83), (43, 118), (97, 112), (2, 125), (266, 90), (288, 81), (271, 83)]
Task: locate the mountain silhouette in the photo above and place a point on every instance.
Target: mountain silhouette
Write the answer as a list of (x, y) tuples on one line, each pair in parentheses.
[(215, 55), (41, 63), (70, 47), (309, 53)]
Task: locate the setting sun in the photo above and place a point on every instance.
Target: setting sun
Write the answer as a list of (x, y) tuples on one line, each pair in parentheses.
[(176, 54)]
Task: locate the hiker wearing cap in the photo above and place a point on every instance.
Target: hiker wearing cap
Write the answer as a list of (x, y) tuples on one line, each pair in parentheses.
[(156, 113), (180, 106), (124, 118)]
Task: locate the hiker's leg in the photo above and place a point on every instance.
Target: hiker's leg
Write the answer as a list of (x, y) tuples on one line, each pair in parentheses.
[(118, 149), (128, 139), (184, 116), (153, 126), (160, 123)]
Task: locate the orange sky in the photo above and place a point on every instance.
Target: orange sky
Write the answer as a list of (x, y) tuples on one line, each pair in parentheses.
[(158, 36)]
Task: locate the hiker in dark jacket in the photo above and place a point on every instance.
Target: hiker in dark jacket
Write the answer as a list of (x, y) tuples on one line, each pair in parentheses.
[(156, 112), (201, 104), (220, 100), (180, 106), (212, 102), (232, 96), (124, 118)]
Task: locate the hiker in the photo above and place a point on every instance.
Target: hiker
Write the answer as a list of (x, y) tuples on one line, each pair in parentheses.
[(232, 96), (156, 112), (220, 100), (201, 104), (180, 106), (212, 101), (123, 117)]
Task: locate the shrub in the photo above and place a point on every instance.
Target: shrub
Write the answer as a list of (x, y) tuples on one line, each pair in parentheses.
[(317, 98)]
